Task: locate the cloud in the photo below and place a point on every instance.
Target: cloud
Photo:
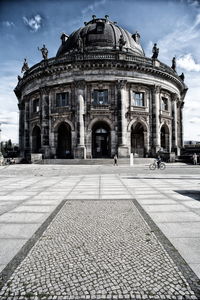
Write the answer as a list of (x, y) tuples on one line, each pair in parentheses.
[(33, 23), (9, 125), (194, 3), (92, 7), (8, 24), (188, 63)]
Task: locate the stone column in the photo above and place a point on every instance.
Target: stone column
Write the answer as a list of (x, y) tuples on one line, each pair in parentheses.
[(44, 95), (156, 120), (174, 124), (80, 149), (123, 150), (21, 107), (27, 128)]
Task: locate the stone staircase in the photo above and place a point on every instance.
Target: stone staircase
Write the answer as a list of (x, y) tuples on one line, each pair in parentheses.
[(96, 161)]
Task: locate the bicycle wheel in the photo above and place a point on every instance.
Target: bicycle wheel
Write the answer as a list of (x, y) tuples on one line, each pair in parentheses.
[(162, 166), (152, 167)]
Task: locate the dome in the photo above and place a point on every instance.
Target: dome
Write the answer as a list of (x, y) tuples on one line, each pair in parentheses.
[(101, 34)]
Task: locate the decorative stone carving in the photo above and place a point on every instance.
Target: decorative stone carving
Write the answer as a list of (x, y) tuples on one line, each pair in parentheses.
[(121, 84), (122, 42), (80, 84), (157, 89)]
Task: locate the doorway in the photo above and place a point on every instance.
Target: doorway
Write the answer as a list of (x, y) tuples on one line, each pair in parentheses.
[(64, 141), (101, 141)]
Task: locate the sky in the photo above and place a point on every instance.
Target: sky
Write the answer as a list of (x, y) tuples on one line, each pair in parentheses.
[(26, 25)]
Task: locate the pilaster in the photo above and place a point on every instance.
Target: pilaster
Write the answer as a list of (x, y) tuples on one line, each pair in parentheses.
[(123, 150), (80, 151), (156, 119), (174, 124)]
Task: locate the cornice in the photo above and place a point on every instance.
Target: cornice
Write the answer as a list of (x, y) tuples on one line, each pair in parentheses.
[(138, 64)]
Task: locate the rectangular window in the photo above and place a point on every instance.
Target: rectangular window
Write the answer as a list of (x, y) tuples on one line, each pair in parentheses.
[(62, 99), (164, 103), (100, 97), (36, 105), (138, 99)]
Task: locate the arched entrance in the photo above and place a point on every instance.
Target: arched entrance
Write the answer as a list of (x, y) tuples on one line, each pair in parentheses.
[(36, 139), (100, 140), (64, 141), (164, 138), (137, 140)]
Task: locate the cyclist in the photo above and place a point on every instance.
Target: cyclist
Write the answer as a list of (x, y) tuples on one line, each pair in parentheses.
[(158, 162)]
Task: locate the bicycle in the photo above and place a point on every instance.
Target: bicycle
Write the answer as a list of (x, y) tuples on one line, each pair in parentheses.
[(155, 165)]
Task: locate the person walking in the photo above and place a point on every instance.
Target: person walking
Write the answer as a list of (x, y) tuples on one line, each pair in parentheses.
[(194, 159), (115, 160)]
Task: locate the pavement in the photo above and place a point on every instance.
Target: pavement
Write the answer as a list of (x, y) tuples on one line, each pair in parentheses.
[(99, 232)]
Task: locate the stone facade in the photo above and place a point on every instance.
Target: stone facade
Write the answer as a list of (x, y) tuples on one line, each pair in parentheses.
[(99, 96)]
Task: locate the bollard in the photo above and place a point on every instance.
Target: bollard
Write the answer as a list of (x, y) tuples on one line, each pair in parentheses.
[(131, 159)]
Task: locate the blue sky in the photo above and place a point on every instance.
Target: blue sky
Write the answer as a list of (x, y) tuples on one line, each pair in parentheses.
[(25, 24)]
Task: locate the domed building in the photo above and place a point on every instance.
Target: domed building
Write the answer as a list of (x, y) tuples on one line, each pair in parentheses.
[(100, 95)]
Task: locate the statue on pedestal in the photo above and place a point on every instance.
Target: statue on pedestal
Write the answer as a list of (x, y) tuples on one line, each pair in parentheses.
[(155, 51), (182, 76), (25, 66), (174, 63), (44, 51), (136, 37)]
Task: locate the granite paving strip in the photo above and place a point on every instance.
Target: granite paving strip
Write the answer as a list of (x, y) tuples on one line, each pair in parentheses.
[(98, 250)]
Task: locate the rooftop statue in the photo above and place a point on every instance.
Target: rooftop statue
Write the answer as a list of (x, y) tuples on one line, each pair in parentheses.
[(122, 42), (182, 76), (173, 63), (44, 51), (25, 66), (136, 37), (155, 51), (80, 44)]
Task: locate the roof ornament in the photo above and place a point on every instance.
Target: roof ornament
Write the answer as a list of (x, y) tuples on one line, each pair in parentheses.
[(44, 52), (19, 78), (106, 17), (136, 37), (122, 42), (25, 66), (64, 37), (93, 18), (174, 63), (155, 51)]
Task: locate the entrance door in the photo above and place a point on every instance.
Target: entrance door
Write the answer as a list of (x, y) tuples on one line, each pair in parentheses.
[(64, 141), (101, 142), (137, 140)]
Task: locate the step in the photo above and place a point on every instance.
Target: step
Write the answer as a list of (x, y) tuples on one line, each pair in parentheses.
[(97, 161)]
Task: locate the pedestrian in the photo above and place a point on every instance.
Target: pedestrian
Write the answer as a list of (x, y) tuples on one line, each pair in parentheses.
[(194, 157), (115, 160)]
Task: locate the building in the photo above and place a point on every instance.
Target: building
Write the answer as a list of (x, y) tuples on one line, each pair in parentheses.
[(100, 95)]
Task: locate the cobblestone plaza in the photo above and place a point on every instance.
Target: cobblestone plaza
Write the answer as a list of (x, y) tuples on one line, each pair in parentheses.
[(99, 232)]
